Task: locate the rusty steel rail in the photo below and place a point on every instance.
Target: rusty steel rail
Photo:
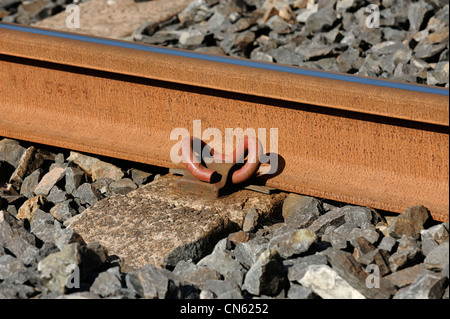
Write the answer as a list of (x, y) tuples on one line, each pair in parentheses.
[(378, 143)]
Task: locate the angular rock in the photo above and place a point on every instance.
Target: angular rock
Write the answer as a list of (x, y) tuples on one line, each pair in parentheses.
[(25, 164), (63, 211), (344, 5), (410, 222), (406, 73), (49, 180), (278, 25), (332, 218), (238, 237), (327, 207), (416, 13), (258, 55), (107, 283), (156, 224), (29, 207), (55, 269), (362, 247), (328, 64), (406, 276), (405, 258), (305, 13), (140, 177), (13, 291), (439, 233), (379, 258), (300, 292), (299, 266), (15, 238), (194, 274), (441, 71), (96, 168), (348, 60), (162, 37), (11, 152), (151, 283), (368, 233), (300, 211), (222, 262), (436, 77), (66, 236), (247, 253), (87, 194), (345, 230), (293, 242), (266, 276), (283, 55), (74, 177), (391, 34), (407, 242), (147, 28), (191, 38), (428, 244), (220, 289), (388, 244), (42, 226), (321, 20), (428, 285), (336, 239), (30, 182), (371, 66), (102, 186), (386, 47), (124, 186), (30, 12), (195, 12), (309, 52), (56, 195), (355, 275), (250, 220), (9, 266), (426, 51), (59, 159), (243, 39), (327, 283), (438, 258), (360, 216)]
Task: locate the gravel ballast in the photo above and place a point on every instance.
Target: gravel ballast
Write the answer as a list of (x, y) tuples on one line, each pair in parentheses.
[(314, 249)]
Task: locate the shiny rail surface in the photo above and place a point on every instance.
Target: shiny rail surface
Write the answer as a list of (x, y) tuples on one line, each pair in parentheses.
[(378, 143)]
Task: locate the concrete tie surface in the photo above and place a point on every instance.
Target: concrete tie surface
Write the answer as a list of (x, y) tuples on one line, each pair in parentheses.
[(157, 224)]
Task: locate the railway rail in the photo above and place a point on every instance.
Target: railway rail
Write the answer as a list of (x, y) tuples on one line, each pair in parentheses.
[(365, 141)]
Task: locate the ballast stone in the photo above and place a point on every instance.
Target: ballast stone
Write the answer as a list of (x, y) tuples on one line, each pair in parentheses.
[(159, 225)]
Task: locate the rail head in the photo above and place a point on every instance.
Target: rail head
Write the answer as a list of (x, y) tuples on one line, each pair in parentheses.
[(386, 98)]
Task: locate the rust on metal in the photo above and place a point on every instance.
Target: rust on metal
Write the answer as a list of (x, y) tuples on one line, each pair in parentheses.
[(250, 147), (196, 168), (385, 148), (191, 184), (219, 172)]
